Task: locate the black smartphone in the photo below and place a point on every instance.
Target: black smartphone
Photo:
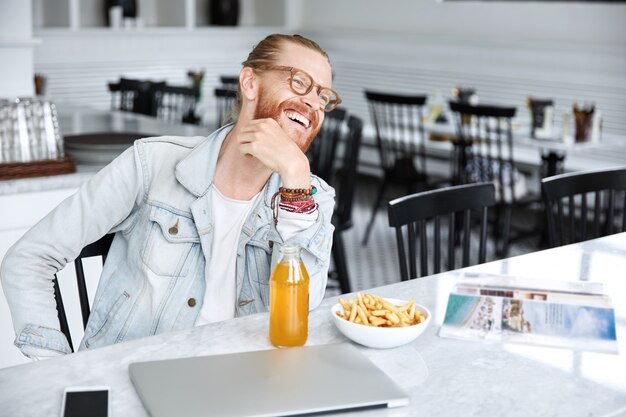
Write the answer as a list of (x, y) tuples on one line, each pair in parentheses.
[(86, 402)]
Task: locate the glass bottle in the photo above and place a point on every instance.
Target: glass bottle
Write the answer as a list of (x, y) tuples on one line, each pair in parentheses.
[(289, 299)]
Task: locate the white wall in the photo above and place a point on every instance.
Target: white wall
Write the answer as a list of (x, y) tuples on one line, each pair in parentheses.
[(515, 20), (506, 50), (16, 46)]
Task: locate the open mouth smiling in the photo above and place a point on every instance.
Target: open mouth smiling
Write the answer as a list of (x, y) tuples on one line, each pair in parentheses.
[(298, 118)]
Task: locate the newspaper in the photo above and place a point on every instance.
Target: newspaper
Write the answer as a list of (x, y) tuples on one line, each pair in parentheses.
[(574, 315)]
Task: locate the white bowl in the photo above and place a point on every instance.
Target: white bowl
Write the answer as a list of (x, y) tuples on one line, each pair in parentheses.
[(381, 337)]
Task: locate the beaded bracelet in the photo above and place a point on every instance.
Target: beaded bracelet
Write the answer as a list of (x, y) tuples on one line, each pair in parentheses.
[(297, 192), (294, 202)]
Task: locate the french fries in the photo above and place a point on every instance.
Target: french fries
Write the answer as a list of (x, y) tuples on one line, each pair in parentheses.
[(371, 310)]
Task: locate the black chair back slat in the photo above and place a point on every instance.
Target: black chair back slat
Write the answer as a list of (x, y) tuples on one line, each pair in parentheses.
[(98, 248), (82, 292), (624, 213), (451, 240), (596, 213), (344, 184), (611, 212), (414, 212), (584, 215), (482, 251), (229, 81), (467, 219), (61, 313), (175, 104), (404, 272), (423, 248), (135, 96), (323, 149), (225, 99), (570, 226), (437, 249)]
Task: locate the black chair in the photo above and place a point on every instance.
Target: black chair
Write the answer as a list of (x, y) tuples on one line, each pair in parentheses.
[(98, 248), (229, 82), (225, 100), (175, 104), (345, 184), (483, 151), (400, 139), (431, 207), (572, 217), (322, 151), (135, 96)]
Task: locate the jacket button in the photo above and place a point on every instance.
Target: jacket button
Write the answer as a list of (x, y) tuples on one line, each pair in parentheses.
[(271, 244), (174, 229), (191, 302)]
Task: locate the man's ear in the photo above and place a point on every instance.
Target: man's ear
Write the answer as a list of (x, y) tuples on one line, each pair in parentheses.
[(249, 83)]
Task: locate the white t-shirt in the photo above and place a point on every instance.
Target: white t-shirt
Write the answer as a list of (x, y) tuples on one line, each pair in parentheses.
[(220, 274)]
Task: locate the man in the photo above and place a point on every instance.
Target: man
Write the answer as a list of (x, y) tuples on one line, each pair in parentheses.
[(198, 222)]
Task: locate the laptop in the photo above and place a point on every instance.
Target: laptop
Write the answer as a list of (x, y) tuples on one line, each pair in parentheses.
[(276, 382)]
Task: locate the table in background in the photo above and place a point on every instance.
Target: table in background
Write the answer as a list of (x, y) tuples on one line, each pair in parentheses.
[(442, 376), (75, 120), (552, 151)]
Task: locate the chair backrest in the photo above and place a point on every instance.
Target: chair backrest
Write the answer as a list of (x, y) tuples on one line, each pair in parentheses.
[(175, 104), (229, 82), (98, 248), (484, 151), (400, 135), (346, 181), (323, 149), (225, 100), (573, 217), (133, 95), (414, 212)]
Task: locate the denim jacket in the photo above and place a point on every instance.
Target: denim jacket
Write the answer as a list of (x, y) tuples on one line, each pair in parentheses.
[(154, 277)]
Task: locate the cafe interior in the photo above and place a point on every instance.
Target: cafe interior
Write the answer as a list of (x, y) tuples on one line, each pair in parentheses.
[(478, 158)]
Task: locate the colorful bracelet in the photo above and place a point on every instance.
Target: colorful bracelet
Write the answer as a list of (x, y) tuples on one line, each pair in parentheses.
[(294, 200)]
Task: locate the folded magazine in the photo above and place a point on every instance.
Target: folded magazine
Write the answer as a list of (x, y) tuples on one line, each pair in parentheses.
[(573, 315)]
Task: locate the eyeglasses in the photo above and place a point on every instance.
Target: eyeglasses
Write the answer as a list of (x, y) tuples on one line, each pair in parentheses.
[(302, 83)]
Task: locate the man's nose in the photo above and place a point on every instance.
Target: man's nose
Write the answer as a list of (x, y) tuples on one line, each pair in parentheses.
[(312, 100)]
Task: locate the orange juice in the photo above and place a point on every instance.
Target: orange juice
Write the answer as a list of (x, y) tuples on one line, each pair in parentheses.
[(289, 300)]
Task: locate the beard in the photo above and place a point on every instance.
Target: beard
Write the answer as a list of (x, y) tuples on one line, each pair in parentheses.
[(269, 108)]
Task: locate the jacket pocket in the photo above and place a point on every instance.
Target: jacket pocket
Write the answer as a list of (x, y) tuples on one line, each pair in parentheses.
[(170, 241), (96, 329)]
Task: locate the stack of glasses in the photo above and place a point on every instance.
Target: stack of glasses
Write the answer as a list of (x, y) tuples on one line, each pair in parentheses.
[(29, 131)]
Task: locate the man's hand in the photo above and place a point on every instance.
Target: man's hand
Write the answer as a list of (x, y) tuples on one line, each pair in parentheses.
[(265, 140)]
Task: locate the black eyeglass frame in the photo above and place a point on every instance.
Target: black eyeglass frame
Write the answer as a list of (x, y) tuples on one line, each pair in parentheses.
[(293, 71)]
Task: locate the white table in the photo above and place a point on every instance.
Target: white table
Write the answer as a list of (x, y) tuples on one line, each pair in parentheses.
[(611, 148), (75, 120), (444, 377)]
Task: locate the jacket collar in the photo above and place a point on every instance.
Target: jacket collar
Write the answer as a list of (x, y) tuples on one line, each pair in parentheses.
[(195, 172)]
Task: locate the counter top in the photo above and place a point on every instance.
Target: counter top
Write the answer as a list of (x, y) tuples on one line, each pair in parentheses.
[(442, 376), (79, 121)]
